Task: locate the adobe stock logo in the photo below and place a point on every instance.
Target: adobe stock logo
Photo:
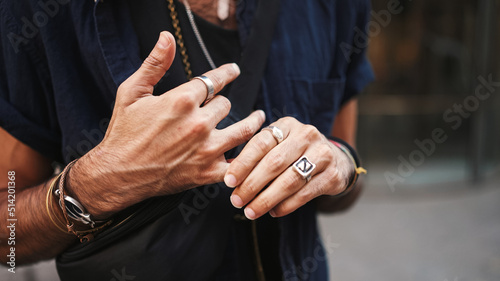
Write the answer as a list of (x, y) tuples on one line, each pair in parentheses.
[(31, 27), (453, 117)]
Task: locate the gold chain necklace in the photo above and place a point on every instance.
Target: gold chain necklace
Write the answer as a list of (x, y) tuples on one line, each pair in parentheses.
[(180, 39)]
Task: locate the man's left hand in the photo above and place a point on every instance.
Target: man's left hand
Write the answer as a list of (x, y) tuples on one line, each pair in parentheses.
[(265, 180)]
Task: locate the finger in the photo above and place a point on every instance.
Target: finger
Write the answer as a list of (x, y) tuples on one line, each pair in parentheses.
[(216, 110), (217, 171), (298, 199), (220, 77), (316, 187), (288, 183), (270, 167), (252, 153), (154, 66), (239, 132), (284, 186)]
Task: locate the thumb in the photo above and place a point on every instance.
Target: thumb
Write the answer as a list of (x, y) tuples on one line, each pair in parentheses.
[(154, 66)]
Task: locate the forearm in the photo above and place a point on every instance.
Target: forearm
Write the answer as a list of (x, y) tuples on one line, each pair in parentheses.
[(105, 185), (33, 236)]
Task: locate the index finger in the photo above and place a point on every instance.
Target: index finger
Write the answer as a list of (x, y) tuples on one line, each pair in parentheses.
[(220, 77), (253, 152)]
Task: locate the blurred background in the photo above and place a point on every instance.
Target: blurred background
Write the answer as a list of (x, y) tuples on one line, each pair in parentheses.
[(430, 209), (429, 135)]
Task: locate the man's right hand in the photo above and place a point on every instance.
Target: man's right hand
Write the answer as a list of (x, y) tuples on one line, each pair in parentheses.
[(159, 145)]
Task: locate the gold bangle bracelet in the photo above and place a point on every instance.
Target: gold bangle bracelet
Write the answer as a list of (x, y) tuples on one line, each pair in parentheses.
[(47, 203)]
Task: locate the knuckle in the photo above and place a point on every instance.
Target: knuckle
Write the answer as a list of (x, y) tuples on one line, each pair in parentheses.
[(200, 126), (289, 119), (290, 184), (217, 80), (247, 190), (153, 62), (309, 132), (237, 166), (305, 195), (246, 131), (261, 143), (225, 104), (184, 102), (228, 72), (284, 208), (275, 162), (278, 210), (208, 149), (265, 204), (326, 151)]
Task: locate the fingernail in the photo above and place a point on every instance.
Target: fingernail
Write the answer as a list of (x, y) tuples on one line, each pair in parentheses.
[(236, 68), (236, 201), (230, 180), (272, 213), (163, 41), (249, 213)]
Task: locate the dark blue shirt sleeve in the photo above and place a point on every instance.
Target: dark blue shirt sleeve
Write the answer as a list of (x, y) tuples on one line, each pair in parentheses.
[(27, 108), (359, 70)]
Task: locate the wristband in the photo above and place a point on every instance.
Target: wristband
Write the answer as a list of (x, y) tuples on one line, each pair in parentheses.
[(351, 154), (73, 209), (48, 205)]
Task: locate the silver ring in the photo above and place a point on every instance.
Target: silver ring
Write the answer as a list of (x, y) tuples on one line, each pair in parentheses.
[(304, 167), (277, 133), (210, 87)]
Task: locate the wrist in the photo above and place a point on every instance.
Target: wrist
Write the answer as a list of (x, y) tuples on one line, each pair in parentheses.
[(345, 166), (355, 167), (91, 184)]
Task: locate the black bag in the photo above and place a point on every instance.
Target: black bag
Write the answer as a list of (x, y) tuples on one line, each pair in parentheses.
[(177, 237)]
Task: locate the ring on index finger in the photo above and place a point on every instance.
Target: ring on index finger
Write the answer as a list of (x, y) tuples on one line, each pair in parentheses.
[(210, 87), (277, 133)]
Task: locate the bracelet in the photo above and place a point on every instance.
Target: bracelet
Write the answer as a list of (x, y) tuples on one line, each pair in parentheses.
[(351, 154), (76, 211), (48, 204)]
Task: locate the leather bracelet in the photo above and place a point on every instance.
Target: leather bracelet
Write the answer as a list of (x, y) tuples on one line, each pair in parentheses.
[(351, 153), (83, 235), (48, 204)]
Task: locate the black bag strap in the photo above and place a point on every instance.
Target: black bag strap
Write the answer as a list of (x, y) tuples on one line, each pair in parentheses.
[(244, 90)]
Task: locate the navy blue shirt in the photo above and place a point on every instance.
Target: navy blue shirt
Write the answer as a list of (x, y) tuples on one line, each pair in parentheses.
[(62, 61)]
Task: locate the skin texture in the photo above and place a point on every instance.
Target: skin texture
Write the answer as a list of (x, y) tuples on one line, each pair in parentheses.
[(124, 169)]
